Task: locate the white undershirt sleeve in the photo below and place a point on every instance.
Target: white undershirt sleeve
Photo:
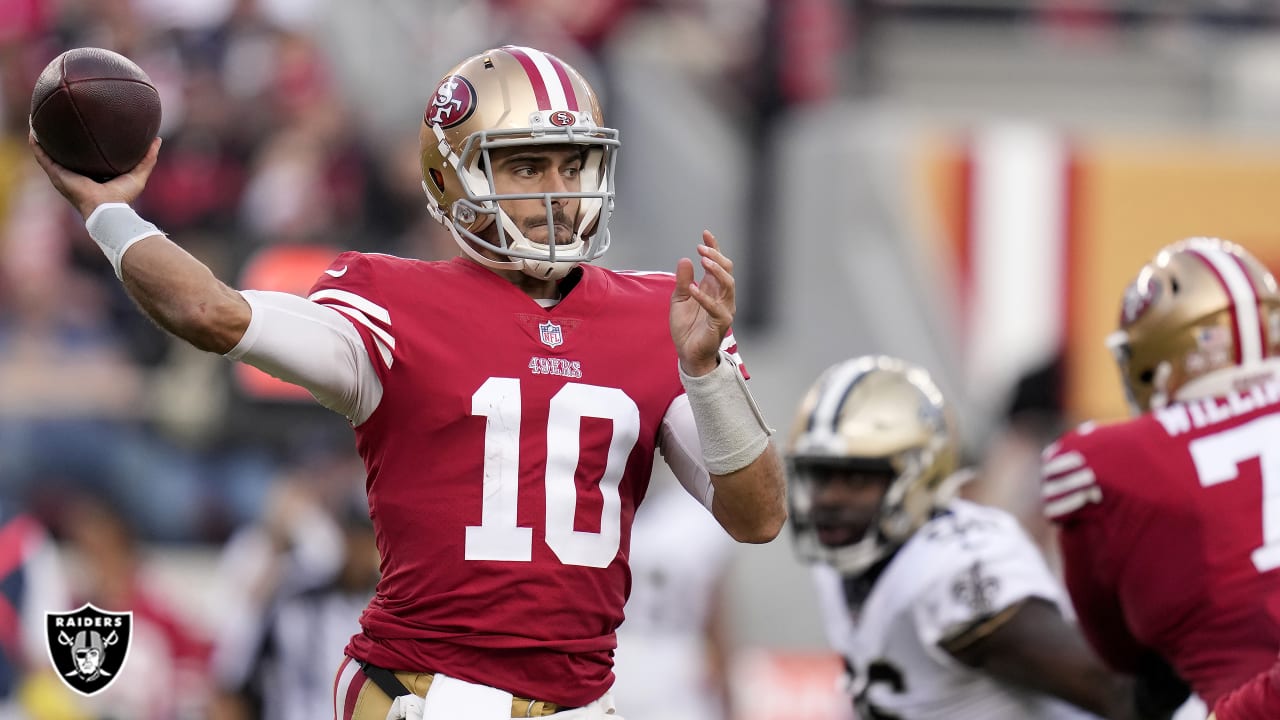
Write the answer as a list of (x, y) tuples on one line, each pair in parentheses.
[(682, 450), (310, 345)]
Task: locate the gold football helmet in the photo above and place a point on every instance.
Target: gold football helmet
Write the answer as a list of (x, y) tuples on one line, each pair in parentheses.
[(1202, 318), (872, 414), (506, 97)]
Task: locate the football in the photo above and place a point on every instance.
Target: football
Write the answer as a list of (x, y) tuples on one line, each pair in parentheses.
[(95, 112)]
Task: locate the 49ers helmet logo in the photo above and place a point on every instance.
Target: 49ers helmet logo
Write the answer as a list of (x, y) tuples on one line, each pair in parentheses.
[(1138, 297), (562, 118), (88, 647), (453, 103)]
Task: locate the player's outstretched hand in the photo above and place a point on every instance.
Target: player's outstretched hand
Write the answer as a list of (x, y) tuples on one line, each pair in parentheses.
[(84, 193), (701, 312)]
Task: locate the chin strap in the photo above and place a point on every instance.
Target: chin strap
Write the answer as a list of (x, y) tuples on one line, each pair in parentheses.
[(540, 269), (544, 270)]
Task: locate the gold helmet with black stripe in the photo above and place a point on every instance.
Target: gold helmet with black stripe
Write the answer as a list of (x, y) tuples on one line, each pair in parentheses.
[(868, 456)]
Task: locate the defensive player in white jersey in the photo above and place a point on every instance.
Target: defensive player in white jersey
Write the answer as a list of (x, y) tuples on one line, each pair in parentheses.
[(508, 404), (943, 609)]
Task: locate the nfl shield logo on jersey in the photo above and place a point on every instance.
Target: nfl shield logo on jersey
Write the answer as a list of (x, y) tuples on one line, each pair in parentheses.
[(550, 334), (88, 647)]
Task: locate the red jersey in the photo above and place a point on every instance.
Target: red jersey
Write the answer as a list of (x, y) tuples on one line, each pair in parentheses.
[(1170, 534), (1258, 699), (505, 461)]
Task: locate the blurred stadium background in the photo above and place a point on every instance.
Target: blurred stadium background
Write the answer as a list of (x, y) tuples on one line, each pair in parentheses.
[(965, 183)]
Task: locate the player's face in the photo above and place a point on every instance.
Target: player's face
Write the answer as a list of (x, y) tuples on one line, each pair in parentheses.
[(550, 169), (845, 502)]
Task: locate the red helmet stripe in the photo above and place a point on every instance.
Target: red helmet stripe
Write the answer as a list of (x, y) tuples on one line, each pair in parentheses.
[(1244, 302), (570, 97), (1262, 328), (536, 77)]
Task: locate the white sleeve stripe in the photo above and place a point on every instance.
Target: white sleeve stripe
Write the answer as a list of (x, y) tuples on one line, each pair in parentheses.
[(1070, 503), (1062, 463), (364, 320), (377, 311), (1076, 480), (384, 351)]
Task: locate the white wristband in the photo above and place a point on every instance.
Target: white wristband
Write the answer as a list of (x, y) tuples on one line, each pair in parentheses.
[(730, 425), (116, 227)]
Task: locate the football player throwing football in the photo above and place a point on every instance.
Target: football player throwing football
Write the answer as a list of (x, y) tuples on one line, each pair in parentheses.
[(508, 404)]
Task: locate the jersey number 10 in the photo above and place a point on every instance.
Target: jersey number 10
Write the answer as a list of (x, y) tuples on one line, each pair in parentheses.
[(1217, 459), (497, 537)]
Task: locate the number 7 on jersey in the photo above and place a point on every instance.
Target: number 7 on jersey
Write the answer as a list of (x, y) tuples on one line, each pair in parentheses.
[(1217, 459)]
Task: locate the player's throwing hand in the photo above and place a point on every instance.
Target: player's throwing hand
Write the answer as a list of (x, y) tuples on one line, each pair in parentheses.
[(84, 193)]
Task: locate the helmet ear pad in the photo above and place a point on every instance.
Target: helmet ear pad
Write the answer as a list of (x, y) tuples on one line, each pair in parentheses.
[(443, 185)]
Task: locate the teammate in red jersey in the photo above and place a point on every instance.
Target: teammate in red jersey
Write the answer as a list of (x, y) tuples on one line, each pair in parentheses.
[(508, 403), (1170, 521), (1258, 699)]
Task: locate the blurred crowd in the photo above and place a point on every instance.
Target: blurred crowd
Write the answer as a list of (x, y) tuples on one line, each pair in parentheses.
[(263, 174), (288, 590)]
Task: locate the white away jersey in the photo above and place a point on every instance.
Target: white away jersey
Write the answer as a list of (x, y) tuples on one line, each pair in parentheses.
[(962, 566)]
